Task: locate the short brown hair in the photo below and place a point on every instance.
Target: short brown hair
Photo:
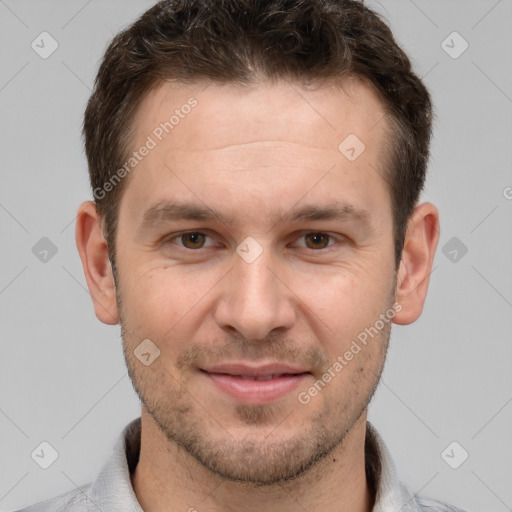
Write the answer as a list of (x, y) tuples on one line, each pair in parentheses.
[(239, 41)]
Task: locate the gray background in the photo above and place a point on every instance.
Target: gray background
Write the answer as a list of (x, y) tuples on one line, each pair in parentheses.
[(447, 378)]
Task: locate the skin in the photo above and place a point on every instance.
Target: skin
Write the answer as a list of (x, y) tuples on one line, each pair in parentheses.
[(253, 155)]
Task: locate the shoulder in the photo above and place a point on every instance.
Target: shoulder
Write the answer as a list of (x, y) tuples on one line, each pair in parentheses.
[(431, 505), (76, 500), (424, 504)]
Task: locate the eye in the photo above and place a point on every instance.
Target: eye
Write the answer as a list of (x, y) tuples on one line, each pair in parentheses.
[(190, 240), (194, 240), (317, 240)]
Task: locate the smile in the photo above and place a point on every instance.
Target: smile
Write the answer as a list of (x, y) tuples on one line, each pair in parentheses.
[(255, 385)]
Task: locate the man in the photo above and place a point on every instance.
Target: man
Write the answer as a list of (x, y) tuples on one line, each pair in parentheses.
[(256, 169)]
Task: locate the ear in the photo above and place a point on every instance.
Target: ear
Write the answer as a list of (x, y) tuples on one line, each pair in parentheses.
[(93, 251), (420, 245)]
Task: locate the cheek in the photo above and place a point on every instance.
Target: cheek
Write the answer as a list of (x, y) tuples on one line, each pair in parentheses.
[(170, 302), (345, 301), (161, 303)]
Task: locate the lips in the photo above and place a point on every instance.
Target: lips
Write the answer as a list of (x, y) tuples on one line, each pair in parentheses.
[(255, 384), (260, 377), (244, 370)]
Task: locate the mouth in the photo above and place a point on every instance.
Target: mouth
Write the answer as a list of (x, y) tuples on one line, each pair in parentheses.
[(256, 385), (259, 377)]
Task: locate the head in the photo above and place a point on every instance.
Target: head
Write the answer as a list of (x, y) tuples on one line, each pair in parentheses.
[(256, 170)]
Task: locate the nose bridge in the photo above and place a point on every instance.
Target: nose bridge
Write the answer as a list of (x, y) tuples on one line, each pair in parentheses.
[(254, 300), (256, 284)]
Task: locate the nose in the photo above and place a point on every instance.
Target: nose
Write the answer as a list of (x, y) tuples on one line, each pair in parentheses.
[(255, 299)]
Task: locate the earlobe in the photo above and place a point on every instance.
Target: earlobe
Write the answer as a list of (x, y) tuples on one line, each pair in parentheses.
[(415, 267), (93, 251)]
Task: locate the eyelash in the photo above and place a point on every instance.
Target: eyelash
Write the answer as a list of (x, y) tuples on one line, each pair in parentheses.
[(170, 240)]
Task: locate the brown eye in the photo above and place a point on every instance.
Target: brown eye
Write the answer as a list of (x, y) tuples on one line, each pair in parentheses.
[(317, 240), (193, 240)]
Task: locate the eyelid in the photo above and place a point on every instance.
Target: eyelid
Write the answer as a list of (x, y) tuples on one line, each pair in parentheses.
[(336, 238), (296, 236), (173, 236)]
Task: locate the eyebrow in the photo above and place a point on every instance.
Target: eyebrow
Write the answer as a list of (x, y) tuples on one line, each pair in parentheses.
[(176, 211)]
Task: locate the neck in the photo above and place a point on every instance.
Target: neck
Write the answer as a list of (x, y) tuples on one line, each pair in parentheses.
[(167, 478)]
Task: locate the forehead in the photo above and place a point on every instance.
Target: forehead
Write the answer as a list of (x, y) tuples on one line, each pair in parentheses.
[(262, 145), (260, 111)]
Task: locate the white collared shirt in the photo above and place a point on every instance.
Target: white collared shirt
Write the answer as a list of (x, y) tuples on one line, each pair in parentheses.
[(112, 489)]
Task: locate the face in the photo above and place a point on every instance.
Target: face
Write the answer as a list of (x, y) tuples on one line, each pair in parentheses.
[(253, 253)]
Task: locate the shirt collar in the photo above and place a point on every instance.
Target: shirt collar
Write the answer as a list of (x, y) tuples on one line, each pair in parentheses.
[(391, 494), (113, 490)]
